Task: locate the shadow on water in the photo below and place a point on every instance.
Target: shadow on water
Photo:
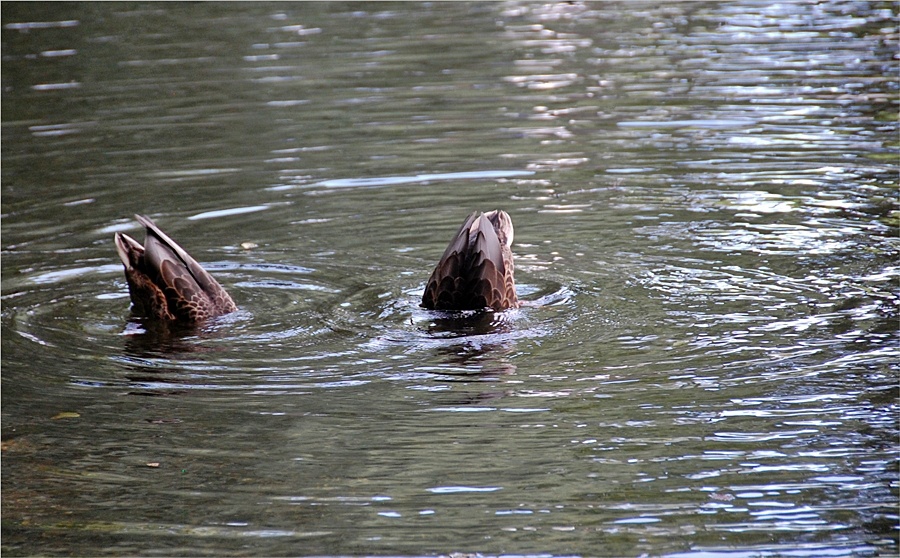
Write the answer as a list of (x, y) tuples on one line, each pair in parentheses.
[(148, 344)]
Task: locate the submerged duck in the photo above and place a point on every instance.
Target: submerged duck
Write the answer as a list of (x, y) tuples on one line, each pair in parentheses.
[(165, 282), (476, 270)]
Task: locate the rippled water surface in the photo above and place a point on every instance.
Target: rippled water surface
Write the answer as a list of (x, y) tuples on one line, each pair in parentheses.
[(705, 202)]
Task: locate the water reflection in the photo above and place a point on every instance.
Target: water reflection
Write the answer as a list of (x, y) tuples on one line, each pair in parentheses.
[(151, 338), (466, 323), (705, 201), (474, 360)]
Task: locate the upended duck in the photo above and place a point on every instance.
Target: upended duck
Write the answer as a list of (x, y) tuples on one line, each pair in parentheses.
[(165, 282), (476, 270)]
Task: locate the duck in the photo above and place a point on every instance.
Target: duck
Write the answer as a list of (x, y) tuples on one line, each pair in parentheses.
[(476, 270), (166, 283)]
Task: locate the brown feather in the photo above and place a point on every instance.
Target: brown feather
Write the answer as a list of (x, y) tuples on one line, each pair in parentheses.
[(476, 270), (165, 282)]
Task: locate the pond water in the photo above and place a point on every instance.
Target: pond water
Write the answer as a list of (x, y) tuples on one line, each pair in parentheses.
[(705, 202)]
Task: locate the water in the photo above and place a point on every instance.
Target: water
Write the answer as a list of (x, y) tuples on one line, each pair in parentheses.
[(705, 202)]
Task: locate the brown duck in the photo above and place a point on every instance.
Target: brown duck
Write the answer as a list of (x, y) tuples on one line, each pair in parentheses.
[(165, 282), (476, 270)]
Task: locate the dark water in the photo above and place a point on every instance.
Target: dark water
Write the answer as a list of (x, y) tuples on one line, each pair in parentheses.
[(705, 201)]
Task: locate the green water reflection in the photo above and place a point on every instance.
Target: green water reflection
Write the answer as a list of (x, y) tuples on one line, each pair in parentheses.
[(704, 197)]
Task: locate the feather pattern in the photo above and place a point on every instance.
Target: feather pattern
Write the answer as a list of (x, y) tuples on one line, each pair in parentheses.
[(476, 270), (165, 282)]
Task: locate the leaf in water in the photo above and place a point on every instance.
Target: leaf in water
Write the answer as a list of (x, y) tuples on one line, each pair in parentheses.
[(66, 415), (14, 444)]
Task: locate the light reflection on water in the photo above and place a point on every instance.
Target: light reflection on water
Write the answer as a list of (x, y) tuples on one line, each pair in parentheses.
[(705, 205)]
